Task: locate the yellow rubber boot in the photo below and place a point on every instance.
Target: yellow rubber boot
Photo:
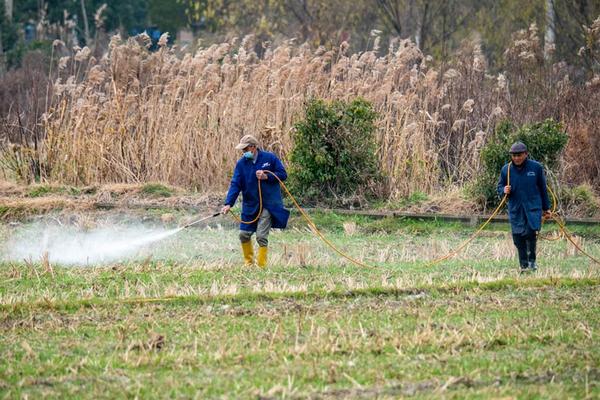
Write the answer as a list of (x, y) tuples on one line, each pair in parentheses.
[(261, 258), (248, 252)]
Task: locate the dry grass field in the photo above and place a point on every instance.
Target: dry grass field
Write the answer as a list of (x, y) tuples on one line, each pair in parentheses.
[(183, 319)]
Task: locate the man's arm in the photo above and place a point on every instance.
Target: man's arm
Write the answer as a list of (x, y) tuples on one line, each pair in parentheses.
[(543, 188), (235, 187), (500, 188)]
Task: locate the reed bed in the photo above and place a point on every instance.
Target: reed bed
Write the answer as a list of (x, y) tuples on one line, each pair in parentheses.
[(170, 116), (138, 116)]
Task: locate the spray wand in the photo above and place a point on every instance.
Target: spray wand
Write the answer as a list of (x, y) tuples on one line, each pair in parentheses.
[(200, 220)]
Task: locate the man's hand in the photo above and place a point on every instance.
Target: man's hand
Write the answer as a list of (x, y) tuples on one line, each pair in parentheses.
[(261, 175), (225, 209), (547, 214), (507, 189)]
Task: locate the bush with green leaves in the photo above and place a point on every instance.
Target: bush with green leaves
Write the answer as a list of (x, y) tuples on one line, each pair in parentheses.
[(579, 200), (544, 140), (334, 154)]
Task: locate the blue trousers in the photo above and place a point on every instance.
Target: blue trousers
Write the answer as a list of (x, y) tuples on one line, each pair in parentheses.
[(525, 243)]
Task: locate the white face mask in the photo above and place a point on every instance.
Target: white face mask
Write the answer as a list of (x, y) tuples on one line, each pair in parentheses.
[(249, 155)]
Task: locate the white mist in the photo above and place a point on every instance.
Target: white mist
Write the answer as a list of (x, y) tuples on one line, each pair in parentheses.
[(65, 245)]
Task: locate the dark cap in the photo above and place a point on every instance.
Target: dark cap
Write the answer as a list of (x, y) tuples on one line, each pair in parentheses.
[(518, 147)]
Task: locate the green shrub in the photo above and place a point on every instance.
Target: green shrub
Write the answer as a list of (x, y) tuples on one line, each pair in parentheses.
[(544, 140), (579, 200), (334, 151)]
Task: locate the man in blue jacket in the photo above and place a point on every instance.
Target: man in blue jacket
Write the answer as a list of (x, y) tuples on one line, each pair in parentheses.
[(527, 200), (249, 170)]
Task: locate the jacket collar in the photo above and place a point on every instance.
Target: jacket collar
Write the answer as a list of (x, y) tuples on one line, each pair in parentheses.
[(522, 166)]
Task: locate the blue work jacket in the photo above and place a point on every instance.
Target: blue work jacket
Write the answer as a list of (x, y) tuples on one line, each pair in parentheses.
[(528, 195), (244, 180)]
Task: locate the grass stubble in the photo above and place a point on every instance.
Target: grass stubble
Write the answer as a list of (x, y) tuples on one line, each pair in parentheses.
[(309, 325)]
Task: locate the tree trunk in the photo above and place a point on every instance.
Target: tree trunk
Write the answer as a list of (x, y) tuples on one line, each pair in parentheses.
[(86, 26), (9, 9), (550, 36), (392, 11), (2, 62), (421, 35)]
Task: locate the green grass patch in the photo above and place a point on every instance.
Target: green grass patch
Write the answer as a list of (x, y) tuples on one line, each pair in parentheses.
[(414, 199), (45, 190), (4, 210), (15, 212), (315, 295), (517, 341), (156, 190)]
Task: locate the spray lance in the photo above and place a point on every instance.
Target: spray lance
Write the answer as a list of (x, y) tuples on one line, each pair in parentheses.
[(200, 220)]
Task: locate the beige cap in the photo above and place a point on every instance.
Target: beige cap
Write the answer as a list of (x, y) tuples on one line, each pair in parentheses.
[(246, 141)]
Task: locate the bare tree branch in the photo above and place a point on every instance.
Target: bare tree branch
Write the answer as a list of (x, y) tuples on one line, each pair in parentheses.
[(392, 11)]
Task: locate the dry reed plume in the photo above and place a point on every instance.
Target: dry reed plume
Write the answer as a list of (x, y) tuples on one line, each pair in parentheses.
[(138, 116)]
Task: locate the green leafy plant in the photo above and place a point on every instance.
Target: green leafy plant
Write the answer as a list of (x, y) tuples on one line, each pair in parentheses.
[(334, 154), (544, 140), (579, 200)]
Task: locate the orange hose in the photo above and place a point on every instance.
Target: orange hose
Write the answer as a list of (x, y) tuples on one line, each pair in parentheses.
[(308, 221), (454, 252)]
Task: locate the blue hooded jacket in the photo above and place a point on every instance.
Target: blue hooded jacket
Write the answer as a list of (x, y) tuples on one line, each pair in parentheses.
[(528, 195), (244, 180)]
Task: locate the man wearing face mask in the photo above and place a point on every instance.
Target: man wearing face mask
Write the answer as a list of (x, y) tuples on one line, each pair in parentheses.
[(527, 201), (249, 170)]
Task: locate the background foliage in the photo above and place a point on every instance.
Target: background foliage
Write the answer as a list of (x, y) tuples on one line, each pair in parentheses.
[(334, 152), (86, 101), (544, 140), (438, 27)]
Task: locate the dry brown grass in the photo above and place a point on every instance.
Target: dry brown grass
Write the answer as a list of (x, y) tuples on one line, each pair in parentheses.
[(135, 116), (41, 205), (452, 201), (11, 189)]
